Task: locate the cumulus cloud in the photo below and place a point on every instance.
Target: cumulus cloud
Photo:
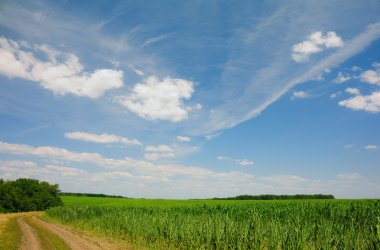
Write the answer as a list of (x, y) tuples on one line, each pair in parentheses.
[(101, 138), (183, 139), (371, 147), (61, 73), (371, 76), (159, 99), (353, 91), (300, 95), (315, 43), (158, 152), (369, 103), (342, 77)]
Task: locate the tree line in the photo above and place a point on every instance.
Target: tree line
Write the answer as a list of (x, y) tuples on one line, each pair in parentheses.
[(279, 197), (90, 195), (24, 195)]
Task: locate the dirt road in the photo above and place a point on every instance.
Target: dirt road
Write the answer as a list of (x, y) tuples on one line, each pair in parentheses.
[(35, 229), (73, 240), (29, 239)]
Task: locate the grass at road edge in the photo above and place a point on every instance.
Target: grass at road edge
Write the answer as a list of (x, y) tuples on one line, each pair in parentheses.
[(49, 240), (89, 234), (10, 232)]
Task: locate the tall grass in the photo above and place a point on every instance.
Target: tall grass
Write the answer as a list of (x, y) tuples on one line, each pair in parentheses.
[(256, 225)]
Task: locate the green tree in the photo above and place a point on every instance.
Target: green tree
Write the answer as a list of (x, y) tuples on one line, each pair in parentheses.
[(28, 195)]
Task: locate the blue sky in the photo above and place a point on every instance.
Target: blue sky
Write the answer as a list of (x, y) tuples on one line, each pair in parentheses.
[(196, 99)]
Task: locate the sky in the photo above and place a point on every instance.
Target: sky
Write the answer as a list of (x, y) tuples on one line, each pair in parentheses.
[(192, 99)]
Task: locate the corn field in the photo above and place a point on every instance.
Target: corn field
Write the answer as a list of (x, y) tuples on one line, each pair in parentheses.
[(345, 224)]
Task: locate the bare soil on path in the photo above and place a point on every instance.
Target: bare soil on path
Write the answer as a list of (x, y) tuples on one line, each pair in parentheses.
[(29, 239), (74, 239)]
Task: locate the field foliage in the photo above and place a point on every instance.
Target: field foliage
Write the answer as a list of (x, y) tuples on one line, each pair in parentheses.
[(122, 202), (333, 224)]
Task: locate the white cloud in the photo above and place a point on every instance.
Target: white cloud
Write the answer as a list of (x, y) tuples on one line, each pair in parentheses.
[(223, 158), (353, 91), (156, 156), (101, 138), (300, 94), (348, 145), (183, 139), (342, 77), (17, 164), (369, 103), (159, 99), (197, 106), (284, 179), (158, 152), (334, 95), (350, 176), (153, 40), (62, 73), (371, 76), (137, 71), (49, 152), (66, 171), (135, 178), (245, 162), (376, 65), (315, 43), (371, 147), (159, 148)]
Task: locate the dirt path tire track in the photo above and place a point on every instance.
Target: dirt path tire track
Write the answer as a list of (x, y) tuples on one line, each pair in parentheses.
[(74, 241), (29, 239)]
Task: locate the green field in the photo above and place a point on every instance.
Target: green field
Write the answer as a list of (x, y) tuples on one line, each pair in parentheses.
[(211, 224), (118, 202)]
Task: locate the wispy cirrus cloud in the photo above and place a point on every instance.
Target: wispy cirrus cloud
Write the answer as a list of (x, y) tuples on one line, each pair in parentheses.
[(270, 83), (153, 40)]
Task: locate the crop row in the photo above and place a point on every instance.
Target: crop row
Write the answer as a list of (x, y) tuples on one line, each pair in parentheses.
[(259, 225)]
